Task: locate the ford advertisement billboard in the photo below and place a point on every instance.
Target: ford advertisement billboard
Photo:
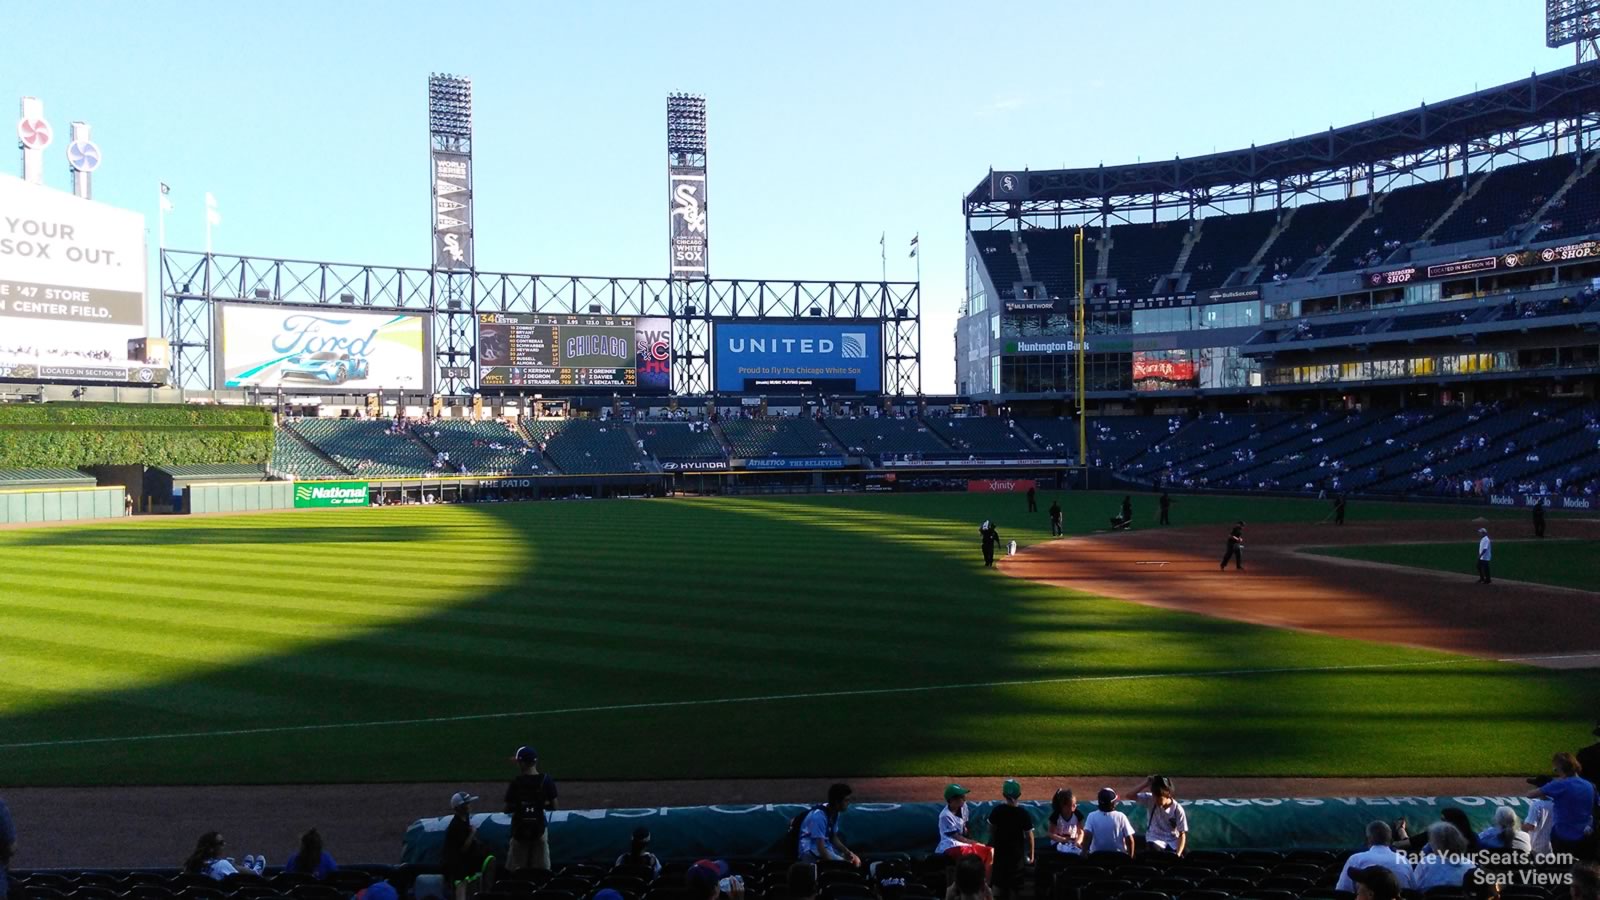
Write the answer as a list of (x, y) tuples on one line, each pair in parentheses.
[(770, 357), (320, 348)]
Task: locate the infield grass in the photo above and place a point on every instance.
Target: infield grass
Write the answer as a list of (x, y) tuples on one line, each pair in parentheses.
[(1572, 564), (714, 638)]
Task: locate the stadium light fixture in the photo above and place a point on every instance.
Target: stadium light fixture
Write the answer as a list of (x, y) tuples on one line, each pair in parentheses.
[(686, 124), (450, 105)]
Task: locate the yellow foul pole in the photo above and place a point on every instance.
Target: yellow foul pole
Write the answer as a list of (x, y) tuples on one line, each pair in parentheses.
[(1083, 410)]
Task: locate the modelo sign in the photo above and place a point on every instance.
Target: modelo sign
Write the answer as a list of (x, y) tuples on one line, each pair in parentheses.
[(836, 356), (1000, 485), (330, 493)]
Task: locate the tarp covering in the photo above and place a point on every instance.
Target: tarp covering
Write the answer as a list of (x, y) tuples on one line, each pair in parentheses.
[(757, 830)]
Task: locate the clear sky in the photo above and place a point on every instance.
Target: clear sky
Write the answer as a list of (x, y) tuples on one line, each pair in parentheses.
[(830, 122)]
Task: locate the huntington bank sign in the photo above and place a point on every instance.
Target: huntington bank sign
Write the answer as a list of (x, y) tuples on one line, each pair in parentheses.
[(330, 493)]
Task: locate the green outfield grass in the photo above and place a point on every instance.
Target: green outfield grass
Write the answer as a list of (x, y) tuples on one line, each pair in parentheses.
[(815, 636), (1573, 564)]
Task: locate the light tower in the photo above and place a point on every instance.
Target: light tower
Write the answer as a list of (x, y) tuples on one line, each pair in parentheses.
[(450, 163)]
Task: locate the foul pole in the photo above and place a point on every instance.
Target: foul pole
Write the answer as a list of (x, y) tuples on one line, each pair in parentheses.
[(1083, 410)]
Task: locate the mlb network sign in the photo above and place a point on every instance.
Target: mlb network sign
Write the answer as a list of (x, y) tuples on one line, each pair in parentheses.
[(330, 493), (839, 356)]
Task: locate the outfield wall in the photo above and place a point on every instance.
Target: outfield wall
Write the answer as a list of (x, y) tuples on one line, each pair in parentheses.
[(751, 831), (61, 505), (241, 496)]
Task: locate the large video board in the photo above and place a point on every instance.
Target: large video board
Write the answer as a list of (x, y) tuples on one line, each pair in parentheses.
[(298, 348), (540, 350), (826, 356), (72, 285)]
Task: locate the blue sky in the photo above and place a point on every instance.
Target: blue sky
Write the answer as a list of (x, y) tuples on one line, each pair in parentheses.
[(830, 122)]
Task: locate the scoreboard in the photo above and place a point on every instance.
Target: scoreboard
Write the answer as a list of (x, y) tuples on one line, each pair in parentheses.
[(541, 350)]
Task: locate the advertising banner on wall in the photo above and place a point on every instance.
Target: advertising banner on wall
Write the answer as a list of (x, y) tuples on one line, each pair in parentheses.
[(1001, 485), (318, 347), (686, 217), (72, 286), (452, 210), (836, 356), (330, 493)]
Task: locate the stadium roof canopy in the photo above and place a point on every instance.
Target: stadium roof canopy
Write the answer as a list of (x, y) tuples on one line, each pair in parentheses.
[(1564, 94)]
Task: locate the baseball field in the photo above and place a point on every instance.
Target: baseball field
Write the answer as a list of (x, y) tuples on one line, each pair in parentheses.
[(727, 638)]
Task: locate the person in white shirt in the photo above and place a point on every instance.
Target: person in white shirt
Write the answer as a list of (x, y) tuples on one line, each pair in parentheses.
[(1108, 830), (1064, 828), (1378, 853), (955, 841), (1446, 862), (1505, 832), (1167, 827), (1485, 553), (1541, 814)]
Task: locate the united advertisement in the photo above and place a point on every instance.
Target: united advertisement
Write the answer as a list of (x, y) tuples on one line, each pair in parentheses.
[(321, 348), (836, 356), (72, 286)]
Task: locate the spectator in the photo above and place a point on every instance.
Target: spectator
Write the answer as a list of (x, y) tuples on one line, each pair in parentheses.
[(819, 830), (1572, 805), (955, 840), (1589, 759), (1540, 815), (1446, 861), (708, 879), (639, 853), (1107, 829), (8, 845), (207, 859), (1504, 832), (1064, 828), (1376, 883), (1377, 854), (528, 797), (311, 859), (969, 883), (1418, 843), (463, 852), (1011, 838), (1585, 882), (1168, 827)]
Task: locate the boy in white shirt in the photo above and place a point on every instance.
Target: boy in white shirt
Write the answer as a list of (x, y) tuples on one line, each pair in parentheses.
[(1108, 829), (954, 840)]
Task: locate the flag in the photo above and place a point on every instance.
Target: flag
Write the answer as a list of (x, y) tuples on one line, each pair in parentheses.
[(166, 204), (913, 246), (212, 216)]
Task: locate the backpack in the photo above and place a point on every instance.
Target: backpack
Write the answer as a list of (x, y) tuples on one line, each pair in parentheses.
[(527, 819), (791, 839)]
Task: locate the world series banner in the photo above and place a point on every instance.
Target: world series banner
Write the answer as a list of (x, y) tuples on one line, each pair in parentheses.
[(452, 210), (686, 204)]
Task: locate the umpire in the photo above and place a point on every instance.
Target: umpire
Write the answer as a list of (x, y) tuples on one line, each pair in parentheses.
[(1235, 547), (990, 538)]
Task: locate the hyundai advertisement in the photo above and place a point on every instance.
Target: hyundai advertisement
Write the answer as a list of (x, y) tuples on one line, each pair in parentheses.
[(321, 348), (842, 357)]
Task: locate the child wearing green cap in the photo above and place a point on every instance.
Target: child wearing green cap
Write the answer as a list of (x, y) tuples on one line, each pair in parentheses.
[(1011, 836), (955, 841)]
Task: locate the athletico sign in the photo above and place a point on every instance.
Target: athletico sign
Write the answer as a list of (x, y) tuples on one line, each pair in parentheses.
[(330, 493)]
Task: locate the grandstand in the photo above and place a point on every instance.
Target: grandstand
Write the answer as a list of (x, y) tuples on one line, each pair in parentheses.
[(783, 437), (479, 448), (884, 436), (366, 446), (585, 446)]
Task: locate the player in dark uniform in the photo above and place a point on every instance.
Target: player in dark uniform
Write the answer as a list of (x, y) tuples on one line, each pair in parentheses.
[(1338, 510), (1127, 508), (1538, 518), (990, 538), (1055, 518), (1166, 506), (1033, 502), (1235, 547)]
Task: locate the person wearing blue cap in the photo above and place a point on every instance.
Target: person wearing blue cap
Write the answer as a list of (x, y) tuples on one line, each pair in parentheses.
[(529, 796)]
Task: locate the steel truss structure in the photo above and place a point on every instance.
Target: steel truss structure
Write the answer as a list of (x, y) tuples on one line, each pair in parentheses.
[(193, 283), (1523, 119)]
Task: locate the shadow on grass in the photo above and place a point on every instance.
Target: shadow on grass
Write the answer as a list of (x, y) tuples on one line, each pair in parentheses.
[(745, 638)]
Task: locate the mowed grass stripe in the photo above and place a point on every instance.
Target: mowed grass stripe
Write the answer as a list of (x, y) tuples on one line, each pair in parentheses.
[(448, 610)]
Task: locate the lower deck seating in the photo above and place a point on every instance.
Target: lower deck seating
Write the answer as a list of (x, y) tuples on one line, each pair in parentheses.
[(792, 437), (884, 436), (480, 448), (366, 446), (585, 446)]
